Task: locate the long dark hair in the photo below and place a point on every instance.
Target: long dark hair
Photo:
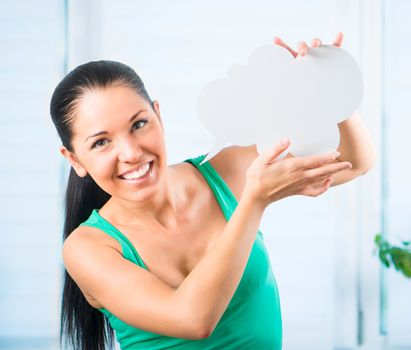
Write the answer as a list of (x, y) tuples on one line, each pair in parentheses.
[(81, 325)]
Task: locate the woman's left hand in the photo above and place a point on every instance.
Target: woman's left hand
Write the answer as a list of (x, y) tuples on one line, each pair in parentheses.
[(302, 46)]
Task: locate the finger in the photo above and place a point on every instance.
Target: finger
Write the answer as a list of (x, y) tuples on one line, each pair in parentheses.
[(316, 42), (328, 182), (318, 188), (316, 161), (288, 155), (272, 153), (338, 40), (280, 42), (302, 48), (325, 185), (327, 170)]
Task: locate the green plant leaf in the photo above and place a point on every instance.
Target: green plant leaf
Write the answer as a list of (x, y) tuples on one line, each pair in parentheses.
[(401, 260), (400, 257), (383, 258), (377, 239)]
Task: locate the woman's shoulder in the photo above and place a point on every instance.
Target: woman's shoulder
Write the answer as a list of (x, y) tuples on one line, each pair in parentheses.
[(91, 235)]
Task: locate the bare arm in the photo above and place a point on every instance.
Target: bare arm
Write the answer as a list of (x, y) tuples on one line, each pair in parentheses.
[(209, 287), (356, 145)]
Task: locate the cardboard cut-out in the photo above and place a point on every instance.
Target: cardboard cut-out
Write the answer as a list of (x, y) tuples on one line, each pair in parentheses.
[(276, 95)]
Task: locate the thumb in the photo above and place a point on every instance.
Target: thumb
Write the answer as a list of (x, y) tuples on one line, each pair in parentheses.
[(272, 153)]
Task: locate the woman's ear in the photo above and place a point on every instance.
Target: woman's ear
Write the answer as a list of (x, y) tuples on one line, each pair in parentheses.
[(71, 157), (156, 106)]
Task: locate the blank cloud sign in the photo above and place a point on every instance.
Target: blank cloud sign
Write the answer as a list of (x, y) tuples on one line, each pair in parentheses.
[(276, 95)]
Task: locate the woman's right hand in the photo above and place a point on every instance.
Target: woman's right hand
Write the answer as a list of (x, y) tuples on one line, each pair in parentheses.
[(268, 180)]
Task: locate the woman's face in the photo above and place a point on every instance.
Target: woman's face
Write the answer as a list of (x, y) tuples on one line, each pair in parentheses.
[(115, 132)]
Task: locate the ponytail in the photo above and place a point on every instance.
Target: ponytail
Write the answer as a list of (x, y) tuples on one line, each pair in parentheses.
[(87, 327)]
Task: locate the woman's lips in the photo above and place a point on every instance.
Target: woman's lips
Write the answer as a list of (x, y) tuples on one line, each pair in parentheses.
[(141, 179)]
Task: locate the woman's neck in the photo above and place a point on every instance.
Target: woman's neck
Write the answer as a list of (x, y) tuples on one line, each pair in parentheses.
[(165, 208)]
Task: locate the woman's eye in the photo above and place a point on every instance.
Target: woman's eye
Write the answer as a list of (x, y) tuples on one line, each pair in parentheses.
[(144, 121), (136, 125), (99, 143)]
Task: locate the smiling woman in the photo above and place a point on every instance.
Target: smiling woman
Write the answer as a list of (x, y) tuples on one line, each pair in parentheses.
[(112, 135), (165, 256)]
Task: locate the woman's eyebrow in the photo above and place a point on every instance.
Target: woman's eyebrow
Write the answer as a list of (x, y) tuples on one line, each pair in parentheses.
[(134, 116)]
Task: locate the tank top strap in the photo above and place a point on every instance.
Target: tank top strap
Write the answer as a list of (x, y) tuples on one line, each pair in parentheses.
[(129, 252), (222, 192)]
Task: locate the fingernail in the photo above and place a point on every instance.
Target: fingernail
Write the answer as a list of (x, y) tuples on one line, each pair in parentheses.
[(285, 141)]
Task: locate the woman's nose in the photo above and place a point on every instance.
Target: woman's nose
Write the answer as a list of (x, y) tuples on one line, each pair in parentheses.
[(129, 151)]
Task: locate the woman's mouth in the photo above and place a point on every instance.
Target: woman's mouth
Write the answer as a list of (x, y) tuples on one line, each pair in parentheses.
[(139, 176)]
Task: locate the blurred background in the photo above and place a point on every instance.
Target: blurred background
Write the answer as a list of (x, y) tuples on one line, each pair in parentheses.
[(334, 292)]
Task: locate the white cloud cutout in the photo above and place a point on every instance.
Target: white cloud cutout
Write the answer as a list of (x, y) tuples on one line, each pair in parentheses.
[(276, 95)]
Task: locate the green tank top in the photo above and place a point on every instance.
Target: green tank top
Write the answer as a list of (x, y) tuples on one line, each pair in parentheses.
[(252, 319)]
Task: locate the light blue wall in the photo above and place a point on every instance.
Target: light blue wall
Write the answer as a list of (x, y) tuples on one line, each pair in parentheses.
[(31, 63), (176, 47), (397, 146)]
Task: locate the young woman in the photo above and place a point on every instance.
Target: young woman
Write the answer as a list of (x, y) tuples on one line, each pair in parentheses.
[(170, 256)]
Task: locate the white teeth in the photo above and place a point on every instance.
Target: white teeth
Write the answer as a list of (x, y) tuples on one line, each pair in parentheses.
[(138, 173)]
